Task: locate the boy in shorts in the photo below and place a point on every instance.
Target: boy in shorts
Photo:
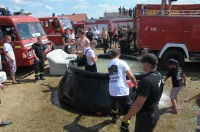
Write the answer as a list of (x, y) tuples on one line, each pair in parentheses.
[(10, 57)]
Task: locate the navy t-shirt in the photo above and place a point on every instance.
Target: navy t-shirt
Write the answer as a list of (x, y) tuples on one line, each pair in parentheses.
[(176, 76), (151, 87)]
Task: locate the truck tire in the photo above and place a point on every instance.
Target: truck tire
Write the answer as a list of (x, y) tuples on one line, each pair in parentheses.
[(175, 54)]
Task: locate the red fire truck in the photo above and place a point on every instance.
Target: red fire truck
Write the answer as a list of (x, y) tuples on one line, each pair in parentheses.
[(170, 36), (54, 28), (99, 24), (24, 30), (122, 22)]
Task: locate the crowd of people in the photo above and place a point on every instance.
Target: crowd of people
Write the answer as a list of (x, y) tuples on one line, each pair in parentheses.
[(148, 91)]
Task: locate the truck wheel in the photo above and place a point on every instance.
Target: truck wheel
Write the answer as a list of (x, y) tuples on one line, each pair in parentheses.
[(175, 54)]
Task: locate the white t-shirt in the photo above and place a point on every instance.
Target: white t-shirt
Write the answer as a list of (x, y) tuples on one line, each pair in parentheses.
[(90, 53), (72, 36), (117, 77), (96, 34), (7, 47)]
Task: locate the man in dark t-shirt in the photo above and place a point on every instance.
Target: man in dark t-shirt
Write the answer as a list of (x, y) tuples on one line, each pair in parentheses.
[(65, 38), (148, 95), (110, 33), (38, 52), (89, 35), (123, 39)]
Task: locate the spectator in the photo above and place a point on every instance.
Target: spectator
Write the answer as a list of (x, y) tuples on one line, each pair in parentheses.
[(96, 34), (91, 58), (148, 94), (38, 53), (129, 37), (123, 40), (118, 88), (10, 57), (110, 33), (178, 81), (65, 38), (105, 38), (72, 39), (163, 6), (115, 37), (89, 34)]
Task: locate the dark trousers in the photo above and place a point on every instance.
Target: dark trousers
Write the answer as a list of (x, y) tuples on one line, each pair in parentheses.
[(146, 121), (123, 101), (66, 49), (92, 68), (111, 41), (39, 68), (128, 47), (105, 45), (123, 48)]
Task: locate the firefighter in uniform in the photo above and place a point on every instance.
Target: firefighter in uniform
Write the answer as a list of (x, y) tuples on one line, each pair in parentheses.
[(38, 52)]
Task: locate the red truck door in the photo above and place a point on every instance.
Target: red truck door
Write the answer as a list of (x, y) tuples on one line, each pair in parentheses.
[(191, 33), (172, 27), (149, 30)]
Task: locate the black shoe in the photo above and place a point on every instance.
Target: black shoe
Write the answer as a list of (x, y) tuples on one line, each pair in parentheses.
[(115, 118), (42, 78), (37, 79), (124, 126)]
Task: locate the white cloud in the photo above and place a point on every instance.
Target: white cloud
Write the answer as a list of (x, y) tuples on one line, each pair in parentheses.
[(35, 4), (108, 8), (23, 1), (49, 7), (81, 6)]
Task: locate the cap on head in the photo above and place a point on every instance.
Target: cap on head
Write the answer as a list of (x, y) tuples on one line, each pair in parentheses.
[(150, 58), (172, 62)]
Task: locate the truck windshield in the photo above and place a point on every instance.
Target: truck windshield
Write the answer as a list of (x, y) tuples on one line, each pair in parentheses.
[(30, 30), (65, 22)]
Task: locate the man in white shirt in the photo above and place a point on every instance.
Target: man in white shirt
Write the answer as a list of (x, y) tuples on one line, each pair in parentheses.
[(118, 88), (91, 58), (10, 57), (96, 33)]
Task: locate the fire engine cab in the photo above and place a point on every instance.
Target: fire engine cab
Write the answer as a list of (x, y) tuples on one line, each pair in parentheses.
[(54, 28), (23, 31), (171, 36)]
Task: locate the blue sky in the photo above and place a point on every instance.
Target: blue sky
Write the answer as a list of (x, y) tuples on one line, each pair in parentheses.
[(93, 8)]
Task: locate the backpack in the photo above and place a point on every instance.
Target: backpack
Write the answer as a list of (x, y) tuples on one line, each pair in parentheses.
[(81, 61)]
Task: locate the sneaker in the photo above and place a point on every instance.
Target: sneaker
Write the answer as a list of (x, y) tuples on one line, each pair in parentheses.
[(125, 126), (37, 79), (42, 78), (5, 123), (115, 118)]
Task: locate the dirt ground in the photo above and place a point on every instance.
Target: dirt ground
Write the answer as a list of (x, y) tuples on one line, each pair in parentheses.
[(35, 107)]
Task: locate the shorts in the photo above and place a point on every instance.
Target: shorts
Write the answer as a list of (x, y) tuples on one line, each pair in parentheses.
[(12, 66), (174, 92)]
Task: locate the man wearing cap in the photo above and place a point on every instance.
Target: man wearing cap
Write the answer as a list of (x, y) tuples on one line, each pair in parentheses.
[(148, 94)]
